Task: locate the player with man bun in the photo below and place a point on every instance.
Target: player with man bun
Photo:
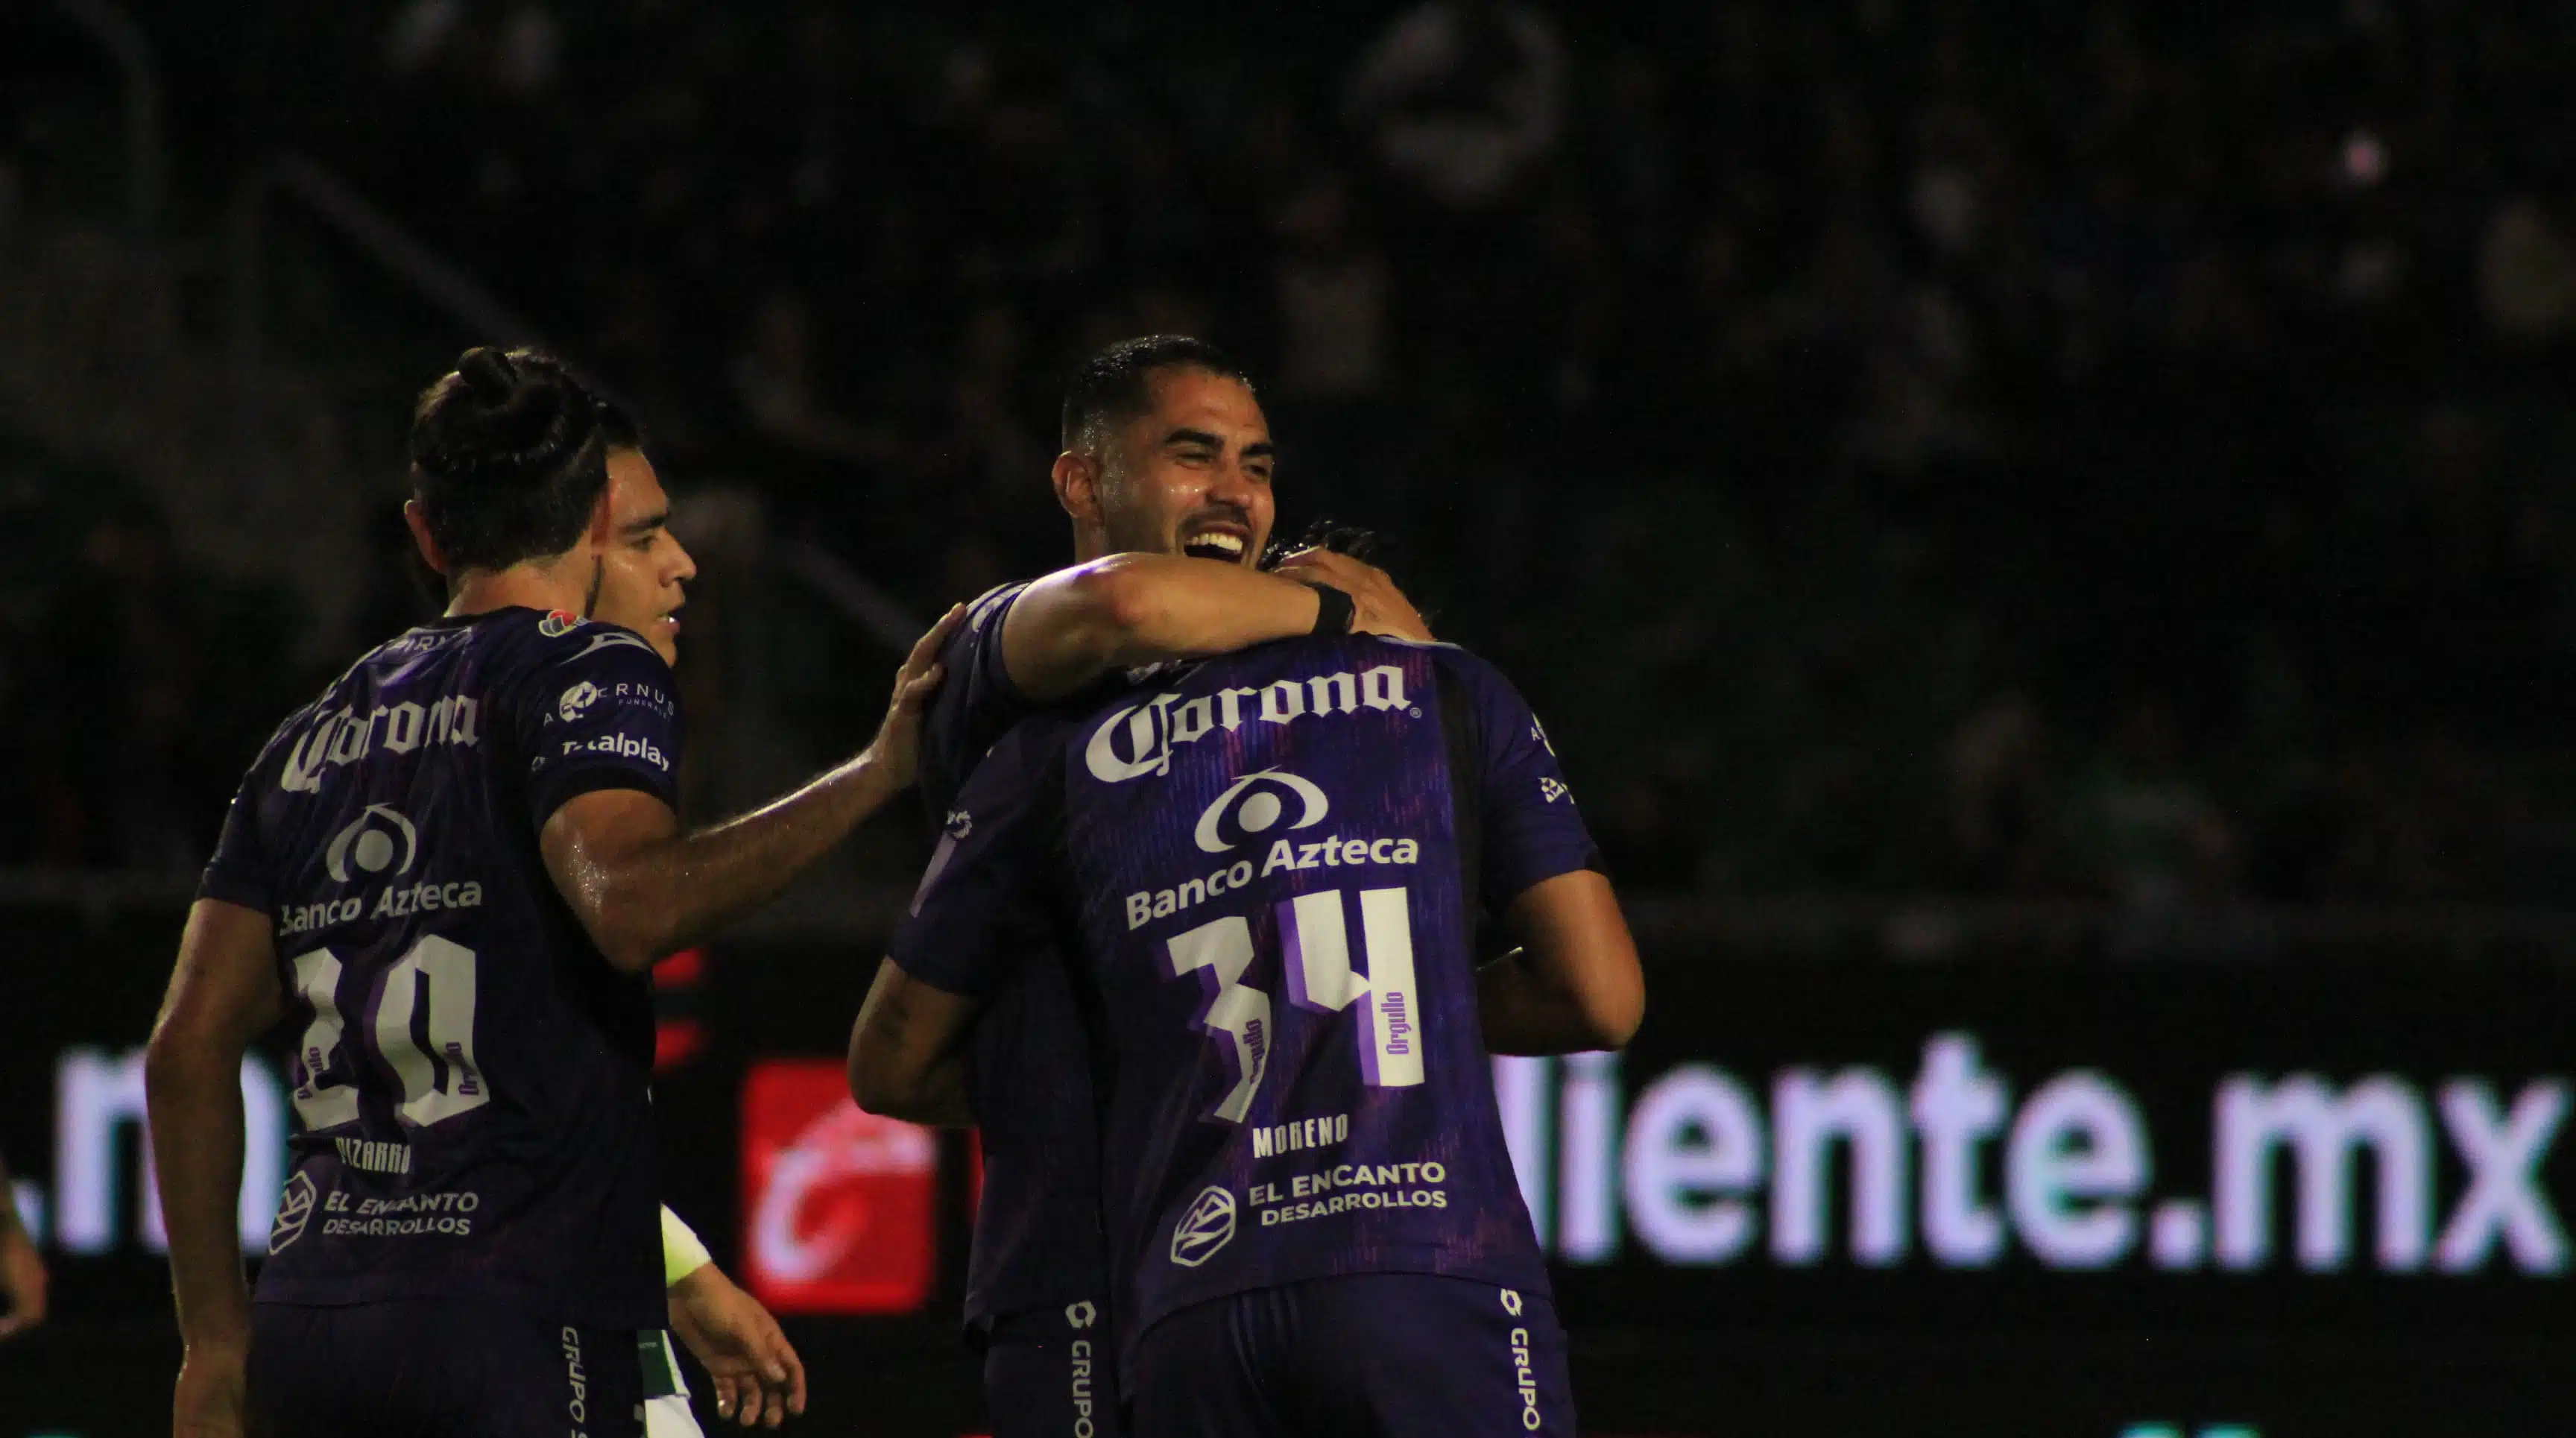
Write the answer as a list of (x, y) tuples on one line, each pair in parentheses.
[(451, 873)]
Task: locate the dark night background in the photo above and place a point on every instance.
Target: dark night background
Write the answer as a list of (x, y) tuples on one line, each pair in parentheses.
[(2049, 519)]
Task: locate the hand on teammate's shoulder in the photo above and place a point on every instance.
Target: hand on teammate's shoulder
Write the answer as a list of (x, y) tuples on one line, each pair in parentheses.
[(1378, 606), (897, 746)]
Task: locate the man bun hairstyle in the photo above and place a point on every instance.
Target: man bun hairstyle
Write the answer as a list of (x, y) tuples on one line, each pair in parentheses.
[(1116, 385), (509, 455)]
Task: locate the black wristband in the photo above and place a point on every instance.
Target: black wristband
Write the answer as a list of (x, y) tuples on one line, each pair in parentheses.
[(1333, 609)]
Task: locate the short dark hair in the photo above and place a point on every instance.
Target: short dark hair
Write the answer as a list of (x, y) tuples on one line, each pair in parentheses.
[(1116, 385), (509, 455)]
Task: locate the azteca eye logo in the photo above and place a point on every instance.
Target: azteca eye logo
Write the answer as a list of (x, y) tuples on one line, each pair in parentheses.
[(372, 844), (1254, 804)]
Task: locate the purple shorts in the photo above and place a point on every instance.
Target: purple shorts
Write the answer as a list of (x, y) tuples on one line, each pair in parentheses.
[(425, 1369), (1374, 1355), (1052, 1373)]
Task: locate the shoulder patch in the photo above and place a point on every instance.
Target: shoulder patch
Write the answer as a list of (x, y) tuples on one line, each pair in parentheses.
[(980, 612), (615, 638), (560, 623)]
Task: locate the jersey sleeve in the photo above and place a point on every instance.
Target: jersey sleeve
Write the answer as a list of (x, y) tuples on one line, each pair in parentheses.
[(1533, 831), (239, 873), (980, 910), (976, 704), (597, 711)]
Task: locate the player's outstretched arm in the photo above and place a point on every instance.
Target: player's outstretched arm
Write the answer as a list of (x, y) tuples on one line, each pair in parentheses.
[(223, 995), (1575, 983), (1076, 624), (754, 1370), (644, 888), (908, 1050), (22, 1271)]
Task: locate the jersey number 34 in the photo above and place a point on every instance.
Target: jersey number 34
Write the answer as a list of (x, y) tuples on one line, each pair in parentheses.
[(1317, 964)]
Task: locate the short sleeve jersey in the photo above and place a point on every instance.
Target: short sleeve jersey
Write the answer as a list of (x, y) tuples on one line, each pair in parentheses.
[(1038, 1241), (1271, 865), (470, 1075)]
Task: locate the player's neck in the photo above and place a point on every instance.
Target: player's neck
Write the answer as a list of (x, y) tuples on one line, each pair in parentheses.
[(521, 586)]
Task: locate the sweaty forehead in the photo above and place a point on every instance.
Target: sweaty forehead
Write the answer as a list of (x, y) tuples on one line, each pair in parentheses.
[(634, 490), (1195, 399)]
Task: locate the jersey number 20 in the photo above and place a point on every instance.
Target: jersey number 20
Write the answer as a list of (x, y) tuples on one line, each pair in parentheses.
[(429, 989), (1319, 974)]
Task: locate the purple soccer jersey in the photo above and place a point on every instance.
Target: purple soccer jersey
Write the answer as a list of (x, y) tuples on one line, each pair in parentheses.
[(470, 1075), (1271, 864), (1038, 1242)]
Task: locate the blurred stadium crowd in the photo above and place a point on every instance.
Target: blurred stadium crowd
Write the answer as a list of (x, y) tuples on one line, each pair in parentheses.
[(2103, 450)]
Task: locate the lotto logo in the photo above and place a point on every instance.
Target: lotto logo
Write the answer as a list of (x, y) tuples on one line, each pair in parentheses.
[(839, 1206)]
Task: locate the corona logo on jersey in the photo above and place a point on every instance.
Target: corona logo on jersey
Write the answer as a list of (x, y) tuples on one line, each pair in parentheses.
[(838, 1205), (1147, 733), (344, 736)]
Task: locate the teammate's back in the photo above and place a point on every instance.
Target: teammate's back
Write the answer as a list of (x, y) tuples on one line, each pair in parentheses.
[(451, 875), (470, 1072), (1271, 865)]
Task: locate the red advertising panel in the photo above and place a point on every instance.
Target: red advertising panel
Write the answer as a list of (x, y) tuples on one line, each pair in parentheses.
[(837, 1204)]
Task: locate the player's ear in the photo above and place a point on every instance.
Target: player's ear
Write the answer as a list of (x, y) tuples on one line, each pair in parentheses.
[(1077, 486), (416, 515)]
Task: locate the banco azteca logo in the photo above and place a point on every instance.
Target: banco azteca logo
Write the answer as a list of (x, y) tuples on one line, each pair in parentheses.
[(1254, 804), (1207, 1227), (576, 699), (370, 840)]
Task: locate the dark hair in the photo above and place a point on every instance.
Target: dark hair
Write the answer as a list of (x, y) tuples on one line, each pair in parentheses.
[(1351, 539), (509, 454), (1116, 385)]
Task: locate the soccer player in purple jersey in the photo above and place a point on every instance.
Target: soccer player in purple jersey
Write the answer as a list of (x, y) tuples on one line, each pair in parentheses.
[(453, 871), (1269, 866), (1166, 474)]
